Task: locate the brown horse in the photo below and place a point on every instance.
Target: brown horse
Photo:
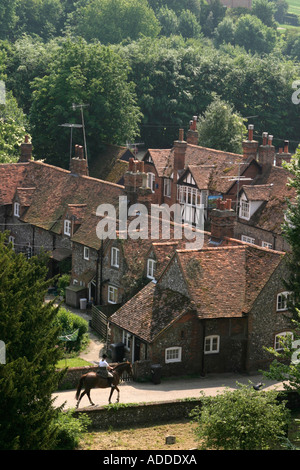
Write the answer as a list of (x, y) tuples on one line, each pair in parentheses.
[(94, 380)]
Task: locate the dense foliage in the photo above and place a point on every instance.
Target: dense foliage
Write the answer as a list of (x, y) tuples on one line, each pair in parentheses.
[(144, 68), (28, 377), (243, 419)]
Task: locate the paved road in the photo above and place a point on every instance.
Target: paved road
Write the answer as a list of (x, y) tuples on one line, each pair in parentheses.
[(134, 392)]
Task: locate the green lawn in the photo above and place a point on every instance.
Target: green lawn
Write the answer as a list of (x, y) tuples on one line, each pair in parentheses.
[(294, 6), (73, 362)]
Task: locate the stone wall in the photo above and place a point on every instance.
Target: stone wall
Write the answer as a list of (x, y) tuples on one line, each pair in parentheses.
[(128, 415), (125, 416)]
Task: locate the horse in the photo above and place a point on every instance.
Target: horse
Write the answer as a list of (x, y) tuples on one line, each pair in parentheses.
[(94, 380)]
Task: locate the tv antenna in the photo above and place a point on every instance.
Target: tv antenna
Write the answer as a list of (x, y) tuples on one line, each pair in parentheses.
[(71, 126), (81, 106)]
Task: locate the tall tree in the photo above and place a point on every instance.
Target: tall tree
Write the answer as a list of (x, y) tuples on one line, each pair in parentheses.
[(89, 74), (111, 21), (221, 127), (28, 377)]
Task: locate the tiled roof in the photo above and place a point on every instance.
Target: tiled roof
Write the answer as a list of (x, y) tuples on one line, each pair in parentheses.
[(11, 177), (109, 164), (222, 282), (272, 188), (150, 312), (52, 192), (225, 281), (210, 168)]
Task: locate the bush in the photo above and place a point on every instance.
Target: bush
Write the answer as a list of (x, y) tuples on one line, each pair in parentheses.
[(69, 429), (243, 419), (70, 322), (63, 282)]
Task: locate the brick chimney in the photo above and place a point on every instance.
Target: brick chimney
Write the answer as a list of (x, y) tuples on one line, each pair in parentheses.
[(78, 164), (250, 146), (26, 151), (192, 133), (179, 152), (222, 221), (266, 151), (283, 154), (135, 182)]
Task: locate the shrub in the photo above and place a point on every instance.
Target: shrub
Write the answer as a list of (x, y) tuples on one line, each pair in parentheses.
[(70, 322), (69, 429), (243, 419)]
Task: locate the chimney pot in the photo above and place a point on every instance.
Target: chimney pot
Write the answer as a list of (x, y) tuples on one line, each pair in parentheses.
[(265, 137), (270, 140), (280, 149), (250, 132), (286, 146), (181, 132)]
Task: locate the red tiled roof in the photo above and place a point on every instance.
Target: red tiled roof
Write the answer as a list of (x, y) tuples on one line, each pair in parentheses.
[(225, 281), (272, 188), (150, 312), (11, 177)]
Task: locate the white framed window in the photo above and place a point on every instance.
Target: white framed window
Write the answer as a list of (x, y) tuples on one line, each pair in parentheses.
[(151, 181), (112, 295), (245, 210), (16, 209), (167, 187), (247, 239), (151, 264), (115, 257), (266, 245), (211, 344), (67, 227), (127, 337), (282, 300), (279, 339), (173, 354), (86, 252)]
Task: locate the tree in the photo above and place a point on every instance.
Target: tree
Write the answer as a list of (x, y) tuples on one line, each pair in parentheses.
[(221, 128), (253, 35), (243, 419), (264, 10), (188, 25), (8, 18), (112, 21), (89, 74), (225, 31), (44, 18), (29, 376), (13, 125), (168, 21)]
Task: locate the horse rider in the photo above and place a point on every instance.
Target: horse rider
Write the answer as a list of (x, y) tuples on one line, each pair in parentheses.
[(104, 370)]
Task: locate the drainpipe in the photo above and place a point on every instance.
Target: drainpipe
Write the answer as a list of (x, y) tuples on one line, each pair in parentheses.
[(203, 343)]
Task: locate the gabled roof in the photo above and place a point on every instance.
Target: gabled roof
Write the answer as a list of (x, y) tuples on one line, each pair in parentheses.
[(221, 283), (211, 168), (11, 177), (225, 281), (50, 192), (271, 187), (150, 312)]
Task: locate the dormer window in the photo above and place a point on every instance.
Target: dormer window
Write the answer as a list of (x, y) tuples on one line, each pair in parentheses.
[(245, 210), (67, 227), (16, 209)]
